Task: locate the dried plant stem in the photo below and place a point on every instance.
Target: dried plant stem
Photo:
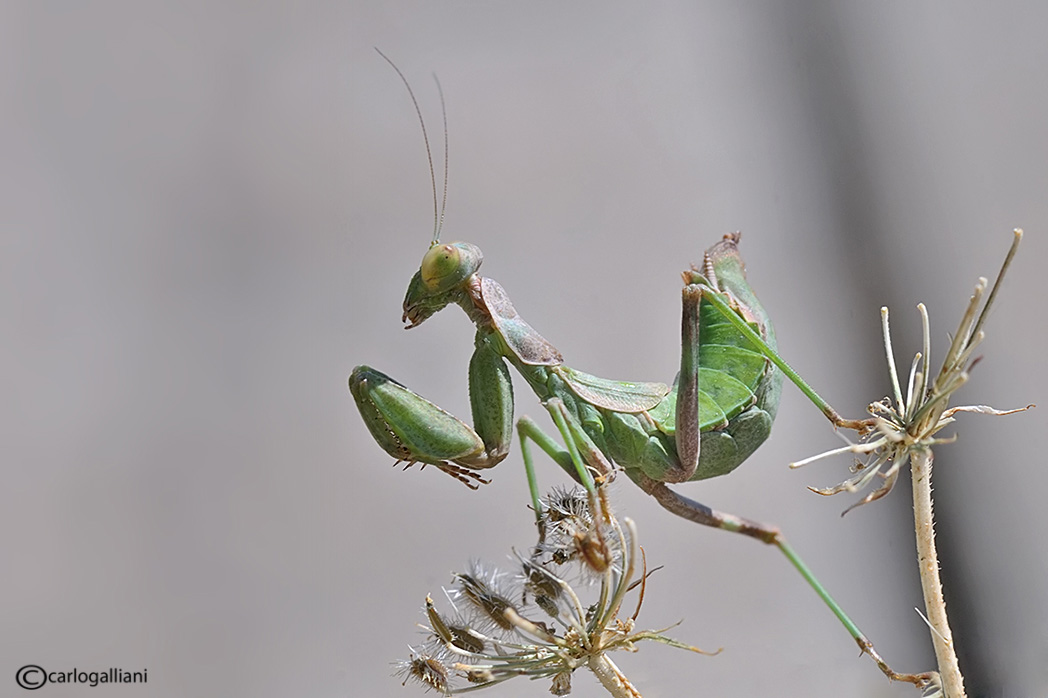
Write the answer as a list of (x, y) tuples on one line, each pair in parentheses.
[(611, 677), (928, 559)]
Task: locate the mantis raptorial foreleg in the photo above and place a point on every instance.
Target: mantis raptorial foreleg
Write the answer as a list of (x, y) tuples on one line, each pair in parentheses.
[(414, 430)]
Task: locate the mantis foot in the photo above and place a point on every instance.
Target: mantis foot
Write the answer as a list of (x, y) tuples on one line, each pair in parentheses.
[(921, 681), (466, 476), (860, 426)]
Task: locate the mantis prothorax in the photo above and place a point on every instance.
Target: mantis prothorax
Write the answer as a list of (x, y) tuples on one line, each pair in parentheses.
[(717, 412)]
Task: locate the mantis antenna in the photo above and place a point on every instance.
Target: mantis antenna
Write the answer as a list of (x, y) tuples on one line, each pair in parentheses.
[(438, 216)]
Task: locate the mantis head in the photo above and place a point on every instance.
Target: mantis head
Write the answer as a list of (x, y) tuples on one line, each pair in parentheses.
[(442, 279)]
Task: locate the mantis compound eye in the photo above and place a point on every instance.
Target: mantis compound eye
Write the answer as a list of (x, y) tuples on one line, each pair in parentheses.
[(447, 265)]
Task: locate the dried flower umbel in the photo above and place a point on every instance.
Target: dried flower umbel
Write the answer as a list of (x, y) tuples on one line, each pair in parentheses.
[(910, 425), (534, 622), (904, 433)]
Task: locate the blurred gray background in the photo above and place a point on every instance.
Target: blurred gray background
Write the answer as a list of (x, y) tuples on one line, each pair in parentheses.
[(209, 214)]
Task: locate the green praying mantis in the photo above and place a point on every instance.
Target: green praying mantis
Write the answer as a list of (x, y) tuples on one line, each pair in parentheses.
[(716, 413), (713, 417)]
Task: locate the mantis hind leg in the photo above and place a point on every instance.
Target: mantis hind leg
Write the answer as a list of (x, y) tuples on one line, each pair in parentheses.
[(748, 429), (701, 514), (717, 301), (687, 416)]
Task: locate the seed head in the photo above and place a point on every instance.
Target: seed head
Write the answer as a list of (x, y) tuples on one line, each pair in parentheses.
[(912, 422), (490, 637), (426, 670)]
